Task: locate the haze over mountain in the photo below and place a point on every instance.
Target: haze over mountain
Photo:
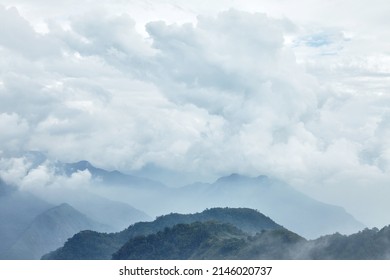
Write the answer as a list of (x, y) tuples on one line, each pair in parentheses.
[(17, 210), (117, 199), (110, 177), (220, 233), (221, 241), (26, 220), (49, 231), (289, 207), (300, 213), (115, 214), (118, 107), (179, 91), (209, 240)]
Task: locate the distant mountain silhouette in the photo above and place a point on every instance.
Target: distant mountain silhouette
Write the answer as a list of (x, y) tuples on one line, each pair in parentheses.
[(111, 177), (117, 215), (117, 200), (49, 231), (17, 210), (289, 207), (297, 211)]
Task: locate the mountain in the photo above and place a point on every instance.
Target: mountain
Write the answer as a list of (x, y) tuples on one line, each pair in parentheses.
[(222, 233), (294, 210), (118, 215), (95, 245), (26, 219), (110, 177), (209, 240), (298, 212), (119, 199), (222, 241), (49, 231), (141, 193), (181, 242), (17, 210), (368, 244)]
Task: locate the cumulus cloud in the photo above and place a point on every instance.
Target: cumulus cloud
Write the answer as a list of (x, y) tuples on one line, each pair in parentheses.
[(14, 169), (27, 42), (40, 176), (237, 59), (13, 130), (224, 92)]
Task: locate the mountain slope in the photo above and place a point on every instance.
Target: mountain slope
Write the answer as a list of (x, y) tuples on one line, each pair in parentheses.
[(220, 241), (209, 240), (110, 177), (17, 210), (94, 245), (117, 215), (294, 210), (177, 236), (368, 244), (182, 241), (50, 230)]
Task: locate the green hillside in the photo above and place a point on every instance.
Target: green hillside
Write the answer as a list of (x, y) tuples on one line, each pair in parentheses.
[(94, 245)]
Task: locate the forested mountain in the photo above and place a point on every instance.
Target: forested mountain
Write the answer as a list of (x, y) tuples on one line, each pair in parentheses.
[(209, 240), (108, 198), (216, 241), (221, 233), (368, 244), (94, 245)]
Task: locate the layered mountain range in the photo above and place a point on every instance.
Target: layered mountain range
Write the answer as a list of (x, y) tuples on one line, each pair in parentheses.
[(95, 245), (34, 223), (220, 233), (295, 210), (31, 225)]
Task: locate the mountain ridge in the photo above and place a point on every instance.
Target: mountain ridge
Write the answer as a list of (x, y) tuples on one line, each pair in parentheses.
[(246, 219), (210, 240), (49, 230)]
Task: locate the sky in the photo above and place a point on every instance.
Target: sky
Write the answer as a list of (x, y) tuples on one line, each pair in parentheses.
[(297, 90)]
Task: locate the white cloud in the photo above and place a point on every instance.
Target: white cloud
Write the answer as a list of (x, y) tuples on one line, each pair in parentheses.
[(14, 130), (40, 177), (303, 97), (13, 170), (27, 42)]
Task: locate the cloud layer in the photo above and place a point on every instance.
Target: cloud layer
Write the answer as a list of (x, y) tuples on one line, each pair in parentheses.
[(227, 91)]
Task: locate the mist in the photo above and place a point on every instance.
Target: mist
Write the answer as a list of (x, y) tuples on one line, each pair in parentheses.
[(127, 111)]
